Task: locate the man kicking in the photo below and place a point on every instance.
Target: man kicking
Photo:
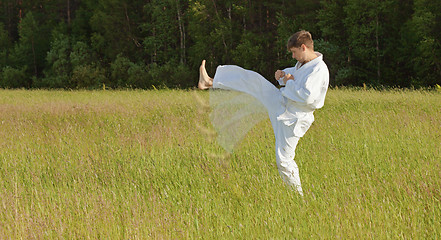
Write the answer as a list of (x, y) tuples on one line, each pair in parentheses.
[(291, 107)]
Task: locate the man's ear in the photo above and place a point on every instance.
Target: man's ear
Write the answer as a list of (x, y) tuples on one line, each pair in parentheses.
[(303, 46)]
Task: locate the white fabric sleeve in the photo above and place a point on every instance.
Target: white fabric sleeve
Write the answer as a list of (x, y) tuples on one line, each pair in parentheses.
[(305, 91), (290, 70), (280, 81)]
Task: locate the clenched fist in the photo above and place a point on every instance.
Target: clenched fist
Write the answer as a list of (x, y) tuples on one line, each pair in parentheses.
[(279, 74)]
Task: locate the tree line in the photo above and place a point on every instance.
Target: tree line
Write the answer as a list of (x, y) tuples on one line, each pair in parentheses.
[(144, 44)]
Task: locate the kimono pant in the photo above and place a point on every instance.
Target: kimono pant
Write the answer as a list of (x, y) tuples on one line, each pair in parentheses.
[(230, 77)]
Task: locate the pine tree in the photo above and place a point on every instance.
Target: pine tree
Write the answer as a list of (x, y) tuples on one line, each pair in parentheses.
[(425, 28), (28, 52), (115, 30), (334, 43), (59, 68), (362, 41), (5, 44)]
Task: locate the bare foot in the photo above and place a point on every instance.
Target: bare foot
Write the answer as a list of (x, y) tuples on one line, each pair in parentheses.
[(205, 81)]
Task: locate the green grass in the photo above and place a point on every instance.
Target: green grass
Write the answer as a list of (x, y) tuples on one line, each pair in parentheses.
[(132, 165)]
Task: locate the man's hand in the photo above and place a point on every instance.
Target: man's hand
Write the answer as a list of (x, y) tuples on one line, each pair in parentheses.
[(279, 74), (288, 77)]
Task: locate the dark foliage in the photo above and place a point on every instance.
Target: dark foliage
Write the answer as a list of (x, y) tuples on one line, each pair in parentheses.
[(160, 43)]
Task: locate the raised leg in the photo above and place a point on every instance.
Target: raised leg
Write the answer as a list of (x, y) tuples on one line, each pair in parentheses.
[(205, 81), (230, 77)]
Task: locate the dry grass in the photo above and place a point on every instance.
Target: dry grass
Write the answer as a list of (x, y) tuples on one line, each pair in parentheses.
[(132, 165)]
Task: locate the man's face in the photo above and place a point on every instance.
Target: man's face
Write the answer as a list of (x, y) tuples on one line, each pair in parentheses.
[(298, 53)]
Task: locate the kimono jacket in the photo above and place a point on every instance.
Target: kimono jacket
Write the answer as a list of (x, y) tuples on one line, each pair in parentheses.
[(304, 94)]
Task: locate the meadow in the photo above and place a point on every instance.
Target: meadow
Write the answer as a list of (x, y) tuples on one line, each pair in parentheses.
[(132, 165)]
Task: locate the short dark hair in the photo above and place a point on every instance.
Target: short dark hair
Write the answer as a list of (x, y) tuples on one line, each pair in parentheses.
[(299, 38)]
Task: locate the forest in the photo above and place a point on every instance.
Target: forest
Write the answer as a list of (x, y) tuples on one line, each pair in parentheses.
[(90, 44)]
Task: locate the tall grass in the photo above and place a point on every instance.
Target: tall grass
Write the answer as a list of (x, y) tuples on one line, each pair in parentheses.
[(132, 165)]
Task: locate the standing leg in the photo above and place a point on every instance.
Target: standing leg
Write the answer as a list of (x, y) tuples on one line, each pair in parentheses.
[(286, 144)]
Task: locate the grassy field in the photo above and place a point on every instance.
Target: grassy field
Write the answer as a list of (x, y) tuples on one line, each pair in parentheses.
[(131, 165)]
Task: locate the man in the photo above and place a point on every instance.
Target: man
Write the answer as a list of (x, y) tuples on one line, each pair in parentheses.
[(291, 107)]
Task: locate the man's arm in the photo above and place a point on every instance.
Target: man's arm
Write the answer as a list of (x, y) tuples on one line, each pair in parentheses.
[(308, 89)]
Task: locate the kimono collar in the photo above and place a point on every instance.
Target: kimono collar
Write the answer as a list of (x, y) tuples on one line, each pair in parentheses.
[(312, 62)]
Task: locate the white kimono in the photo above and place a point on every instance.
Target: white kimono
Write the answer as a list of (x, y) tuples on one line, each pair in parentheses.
[(290, 108)]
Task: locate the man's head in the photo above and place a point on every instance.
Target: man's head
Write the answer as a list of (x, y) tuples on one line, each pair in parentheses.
[(299, 38), (300, 44)]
